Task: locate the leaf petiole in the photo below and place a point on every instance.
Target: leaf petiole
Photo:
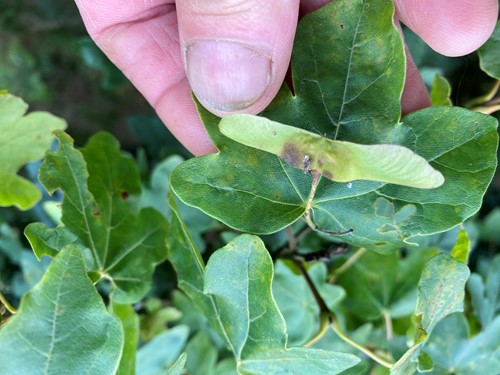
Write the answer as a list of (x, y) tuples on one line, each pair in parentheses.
[(350, 262), (316, 177), (323, 328), (483, 99), (388, 324), (327, 319), (336, 328), (7, 305)]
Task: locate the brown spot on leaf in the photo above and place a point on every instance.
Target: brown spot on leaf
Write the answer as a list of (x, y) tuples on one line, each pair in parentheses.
[(125, 195), (292, 155), (342, 26)]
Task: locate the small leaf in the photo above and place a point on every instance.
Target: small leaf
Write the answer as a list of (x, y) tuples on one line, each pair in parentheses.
[(453, 351), (462, 247), (298, 361), (123, 245), (161, 352), (336, 160), (201, 355), (441, 290), (178, 366), (156, 318), (48, 241), (484, 290), (239, 278), (489, 54), (440, 293), (24, 139), (440, 91), (130, 326), (62, 326)]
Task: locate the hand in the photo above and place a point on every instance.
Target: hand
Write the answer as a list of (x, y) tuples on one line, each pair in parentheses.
[(234, 54)]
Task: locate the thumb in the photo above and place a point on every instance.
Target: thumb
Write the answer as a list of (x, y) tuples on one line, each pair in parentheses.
[(236, 52)]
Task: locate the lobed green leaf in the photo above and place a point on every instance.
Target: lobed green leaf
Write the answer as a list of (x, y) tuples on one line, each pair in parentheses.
[(62, 326), (454, 351), (484, 290), (348, 75), (25, 138), (239, 278), (121, 244)]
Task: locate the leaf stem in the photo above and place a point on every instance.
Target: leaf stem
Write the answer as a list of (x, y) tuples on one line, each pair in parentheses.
[(476, 102), (336, 328), (7, 305), (327, 316), (388, 324), (323, 328), (292, 241), (350, 262), (316, 177), (487, 109)]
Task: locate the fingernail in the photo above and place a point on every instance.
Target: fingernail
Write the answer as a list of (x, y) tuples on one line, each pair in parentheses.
[(227, 76)]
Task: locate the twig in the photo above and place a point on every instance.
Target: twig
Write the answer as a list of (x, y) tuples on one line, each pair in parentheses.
[(319, 300), (7, 305)]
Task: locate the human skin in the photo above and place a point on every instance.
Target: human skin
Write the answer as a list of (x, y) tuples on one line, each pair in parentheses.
[(234, 54)]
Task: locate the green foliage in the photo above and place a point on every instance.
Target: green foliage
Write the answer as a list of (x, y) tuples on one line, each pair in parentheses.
[(440, 293), (98, 183), (297, 301), (161, 352), (371, 293), (24, 139), (440, 91), (489, 54), (455, 352), (347, 77), (130, 326), (238, 277), (484, 289), (61, 316)]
